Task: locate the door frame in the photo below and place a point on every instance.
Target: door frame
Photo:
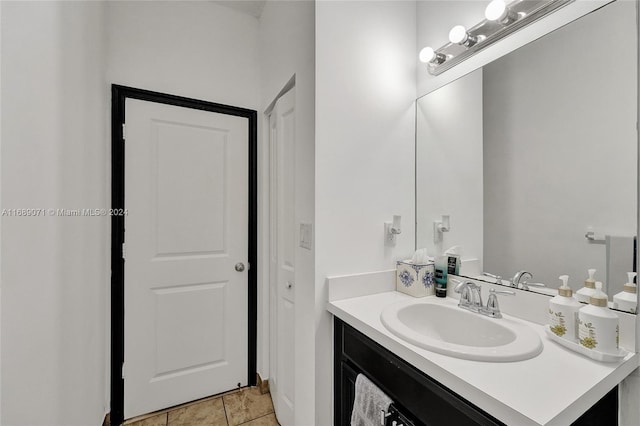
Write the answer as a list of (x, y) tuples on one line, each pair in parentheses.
[(119, 94), (275, 162)]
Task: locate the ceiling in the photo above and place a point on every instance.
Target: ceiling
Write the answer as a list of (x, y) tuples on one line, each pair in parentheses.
[(250, 7)]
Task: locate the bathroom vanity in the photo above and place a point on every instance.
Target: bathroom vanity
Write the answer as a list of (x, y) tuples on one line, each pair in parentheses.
[(556, 387), (421, 399)]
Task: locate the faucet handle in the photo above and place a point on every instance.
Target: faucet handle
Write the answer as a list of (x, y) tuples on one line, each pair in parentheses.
[(507, 292), (498, 278), (525, 286), (493, 308)]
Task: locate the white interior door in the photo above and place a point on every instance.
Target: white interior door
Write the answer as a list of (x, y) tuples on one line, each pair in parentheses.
[(185, 303), (282, 267)]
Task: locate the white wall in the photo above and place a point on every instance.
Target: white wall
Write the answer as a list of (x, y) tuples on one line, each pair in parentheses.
[(287, 49), (189, 48), (54, 269), (561, 150), (449, 166), (365, 93), (55, 154)]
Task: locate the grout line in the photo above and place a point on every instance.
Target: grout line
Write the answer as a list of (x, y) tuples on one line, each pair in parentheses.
[(268, 414), (224, 407)]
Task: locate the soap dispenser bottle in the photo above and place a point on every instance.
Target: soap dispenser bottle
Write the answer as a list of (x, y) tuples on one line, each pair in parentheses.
[(589, 288), (598, 325), (440, 273), (627, 299), (453, 260), (563, 312)]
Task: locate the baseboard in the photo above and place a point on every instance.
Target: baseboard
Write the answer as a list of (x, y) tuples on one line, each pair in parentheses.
[(263, 385), (107, 420)]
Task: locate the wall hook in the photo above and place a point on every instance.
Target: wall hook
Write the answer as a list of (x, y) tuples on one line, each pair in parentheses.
[(439, 227), (392, 229)]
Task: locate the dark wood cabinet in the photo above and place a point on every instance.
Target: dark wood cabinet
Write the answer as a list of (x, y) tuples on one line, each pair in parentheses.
[(421, 399)]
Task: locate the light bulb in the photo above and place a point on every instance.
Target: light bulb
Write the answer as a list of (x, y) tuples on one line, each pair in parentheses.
[(430, 56), (498, 11), (427, 54), (458, 34)]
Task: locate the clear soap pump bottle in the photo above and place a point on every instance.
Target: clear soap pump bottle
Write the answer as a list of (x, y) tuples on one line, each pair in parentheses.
[(627, 299), (563, 312), (589, 288)]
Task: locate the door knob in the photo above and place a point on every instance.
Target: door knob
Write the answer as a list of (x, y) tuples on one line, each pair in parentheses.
[(239, 266)]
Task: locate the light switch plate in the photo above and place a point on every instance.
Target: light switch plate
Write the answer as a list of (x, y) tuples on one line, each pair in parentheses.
[(306, 231)]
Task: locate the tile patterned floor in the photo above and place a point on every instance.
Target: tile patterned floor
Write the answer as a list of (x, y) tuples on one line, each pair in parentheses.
[(246, 407)]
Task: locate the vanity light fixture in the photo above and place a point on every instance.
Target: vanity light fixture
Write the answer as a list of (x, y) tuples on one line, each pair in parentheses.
[(459, 35), (502, 19)]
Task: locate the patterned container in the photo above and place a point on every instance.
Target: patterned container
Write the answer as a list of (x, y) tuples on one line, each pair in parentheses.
[(416, 280)]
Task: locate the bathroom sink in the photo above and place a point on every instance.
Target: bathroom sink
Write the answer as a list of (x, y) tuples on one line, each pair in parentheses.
[(441, 326)]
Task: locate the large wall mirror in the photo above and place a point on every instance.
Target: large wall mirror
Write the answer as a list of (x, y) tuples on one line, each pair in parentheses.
[(534, 157)]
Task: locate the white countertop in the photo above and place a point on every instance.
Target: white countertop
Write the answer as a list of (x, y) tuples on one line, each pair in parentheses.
[(554, 388)]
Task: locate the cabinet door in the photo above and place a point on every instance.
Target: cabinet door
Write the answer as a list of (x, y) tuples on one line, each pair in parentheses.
[(347, 393), (603, 412), (416, 394)]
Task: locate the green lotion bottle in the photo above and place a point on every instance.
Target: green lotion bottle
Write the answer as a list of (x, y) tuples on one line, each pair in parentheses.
[(441, 275)]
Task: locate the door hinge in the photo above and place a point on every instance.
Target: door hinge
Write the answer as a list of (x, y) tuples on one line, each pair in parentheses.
[(124, 251), (124, 132), (123, 371)]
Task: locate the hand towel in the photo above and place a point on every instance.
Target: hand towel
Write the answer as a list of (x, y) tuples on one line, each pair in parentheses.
[(620, 252), (369, 401)]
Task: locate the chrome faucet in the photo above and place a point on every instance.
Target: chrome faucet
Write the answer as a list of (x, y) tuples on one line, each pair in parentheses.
[(471, 299), (521, 280)]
